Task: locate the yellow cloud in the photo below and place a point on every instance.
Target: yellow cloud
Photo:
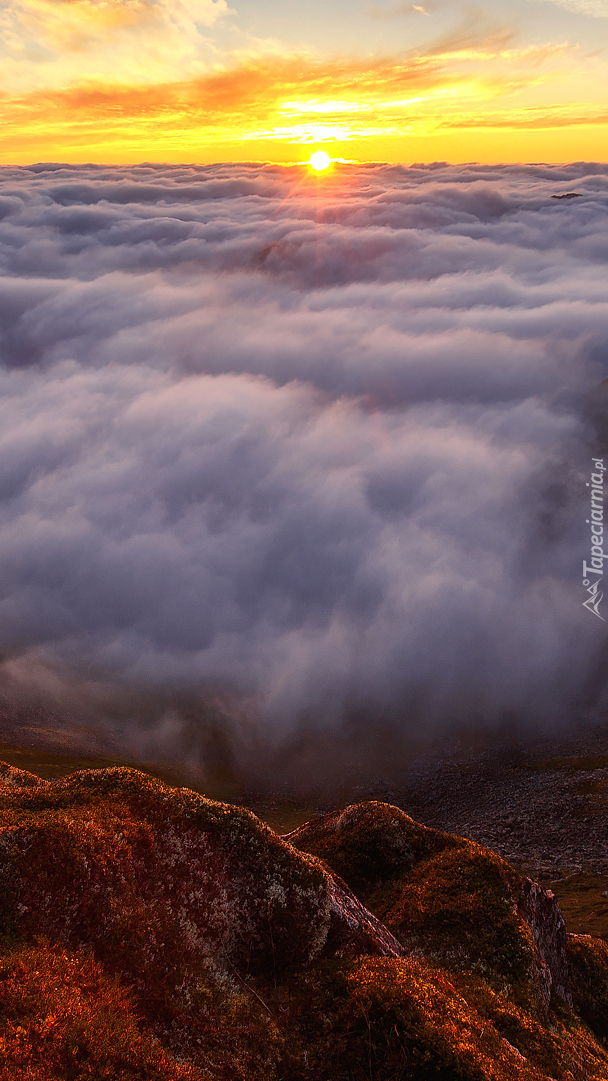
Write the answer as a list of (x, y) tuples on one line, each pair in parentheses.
[(579, 115), (285, 101)]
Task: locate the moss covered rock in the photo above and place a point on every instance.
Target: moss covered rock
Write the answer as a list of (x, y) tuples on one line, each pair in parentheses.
[(588, 963), (183, 939), (370, 844), (158, 880), (446, 898), (403, 1019)]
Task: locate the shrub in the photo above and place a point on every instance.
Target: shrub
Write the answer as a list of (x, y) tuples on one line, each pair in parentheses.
[(62, 1017)]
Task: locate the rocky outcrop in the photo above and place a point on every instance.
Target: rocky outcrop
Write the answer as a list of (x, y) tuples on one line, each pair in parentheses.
[(446, 898), (542, 914), (160, 879), (370, 842), (149, 932)]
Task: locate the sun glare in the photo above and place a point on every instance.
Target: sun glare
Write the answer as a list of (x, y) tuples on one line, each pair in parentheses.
[(320, 160)]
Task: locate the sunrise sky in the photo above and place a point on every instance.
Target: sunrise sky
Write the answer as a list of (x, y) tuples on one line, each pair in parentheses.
[(209, 80)]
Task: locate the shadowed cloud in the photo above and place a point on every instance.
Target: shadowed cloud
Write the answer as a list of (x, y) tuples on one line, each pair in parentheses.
[(319, 445)]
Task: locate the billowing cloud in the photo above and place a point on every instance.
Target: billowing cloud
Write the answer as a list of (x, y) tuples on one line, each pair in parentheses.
[(318, 444)]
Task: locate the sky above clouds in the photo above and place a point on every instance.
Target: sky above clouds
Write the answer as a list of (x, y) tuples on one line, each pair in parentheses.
[(318, 443), (210, 80)]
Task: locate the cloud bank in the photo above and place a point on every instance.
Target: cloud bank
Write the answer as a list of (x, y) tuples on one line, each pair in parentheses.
[(315, 446)]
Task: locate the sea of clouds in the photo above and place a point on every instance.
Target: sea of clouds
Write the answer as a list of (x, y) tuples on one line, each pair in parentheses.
[(315, 446)]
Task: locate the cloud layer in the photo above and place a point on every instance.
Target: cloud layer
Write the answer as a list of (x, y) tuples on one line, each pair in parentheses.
[(318, 444)]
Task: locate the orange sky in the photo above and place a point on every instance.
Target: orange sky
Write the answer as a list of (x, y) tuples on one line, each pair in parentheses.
[(195, 80)]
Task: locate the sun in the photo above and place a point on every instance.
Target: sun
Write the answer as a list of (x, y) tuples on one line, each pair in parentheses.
[(320, 160)]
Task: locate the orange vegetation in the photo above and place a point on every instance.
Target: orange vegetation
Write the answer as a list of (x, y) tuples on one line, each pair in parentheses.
[(150, 933)]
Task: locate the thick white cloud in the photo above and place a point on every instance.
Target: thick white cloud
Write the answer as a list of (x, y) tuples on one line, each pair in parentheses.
[(319, 444)]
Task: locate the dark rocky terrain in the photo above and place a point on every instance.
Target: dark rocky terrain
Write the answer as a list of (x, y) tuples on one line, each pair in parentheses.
[(540, 803)]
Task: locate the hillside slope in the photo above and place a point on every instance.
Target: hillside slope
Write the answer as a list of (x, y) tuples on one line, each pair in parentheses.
[(148, 932)]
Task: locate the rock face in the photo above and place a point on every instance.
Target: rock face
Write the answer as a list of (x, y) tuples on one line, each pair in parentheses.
[(445, 897), (541, 912), (354, 931)]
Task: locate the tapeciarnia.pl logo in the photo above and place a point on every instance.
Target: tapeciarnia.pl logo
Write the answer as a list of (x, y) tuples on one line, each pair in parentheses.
[(596, 521)]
